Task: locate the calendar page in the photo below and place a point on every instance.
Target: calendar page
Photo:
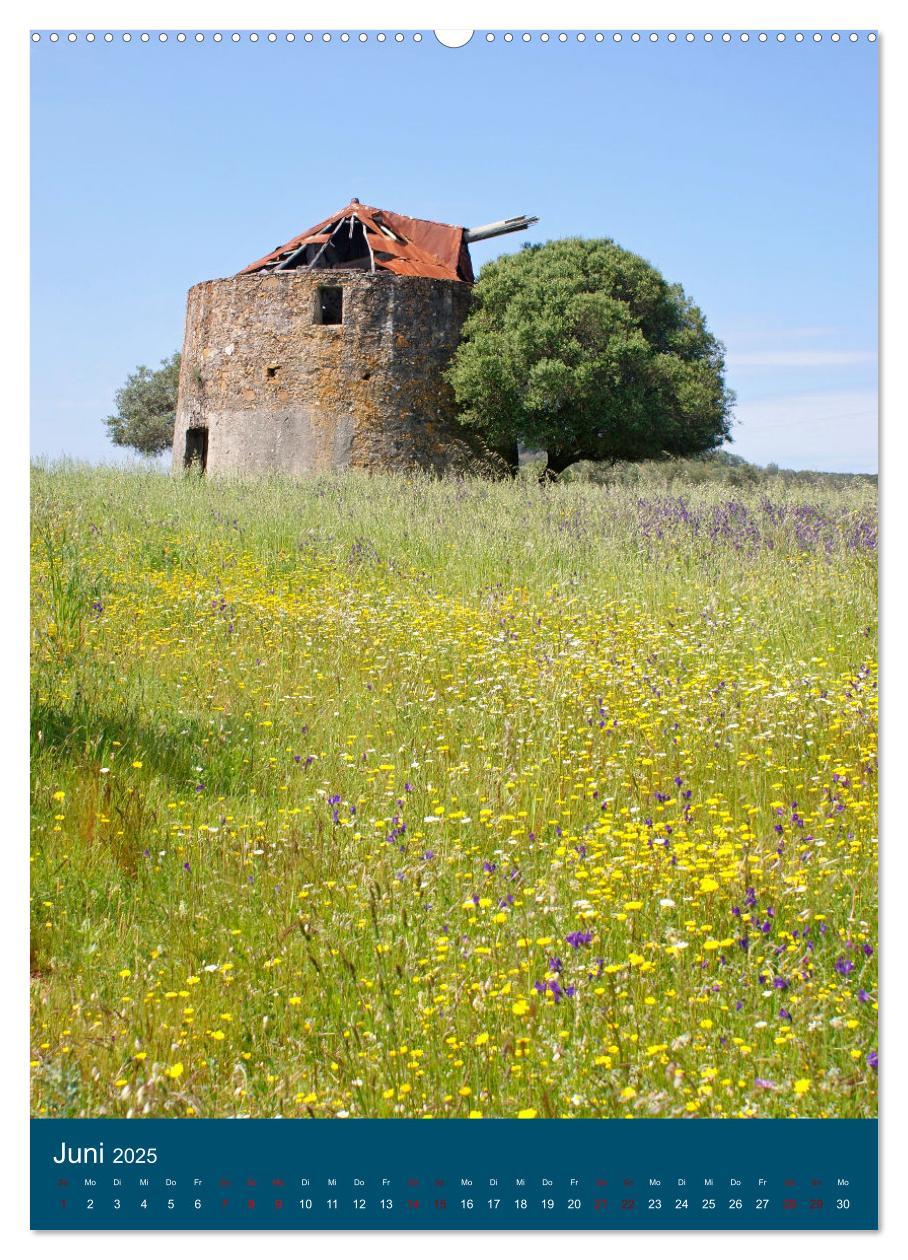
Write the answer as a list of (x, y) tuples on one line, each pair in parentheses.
[(454, 629)]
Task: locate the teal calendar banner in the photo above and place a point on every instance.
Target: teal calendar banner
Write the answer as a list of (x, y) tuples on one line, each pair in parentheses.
[(442, 1174)]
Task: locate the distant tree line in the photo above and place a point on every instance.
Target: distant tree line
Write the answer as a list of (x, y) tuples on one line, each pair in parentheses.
[(719, 468)]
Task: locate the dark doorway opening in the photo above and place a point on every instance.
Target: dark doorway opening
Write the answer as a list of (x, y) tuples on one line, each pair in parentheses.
[(196, 454), (329, 306)]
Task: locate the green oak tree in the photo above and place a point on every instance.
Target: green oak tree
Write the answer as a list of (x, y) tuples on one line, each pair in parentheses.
[(583, 349), (146, 408)]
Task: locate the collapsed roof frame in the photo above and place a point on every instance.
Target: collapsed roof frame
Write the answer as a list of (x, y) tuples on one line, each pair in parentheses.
[(290, 262), (390, 242)]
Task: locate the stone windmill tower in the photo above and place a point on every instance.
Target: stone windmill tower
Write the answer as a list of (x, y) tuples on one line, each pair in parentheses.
[(329, 351)]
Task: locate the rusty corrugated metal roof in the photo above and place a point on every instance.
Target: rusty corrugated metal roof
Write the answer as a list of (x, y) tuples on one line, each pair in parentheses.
[(396, 242)]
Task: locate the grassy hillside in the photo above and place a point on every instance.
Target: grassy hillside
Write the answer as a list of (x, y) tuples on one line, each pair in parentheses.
[(371, 796)]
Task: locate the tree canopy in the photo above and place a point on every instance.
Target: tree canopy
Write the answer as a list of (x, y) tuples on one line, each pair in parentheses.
[(584, 349), (146, 408)]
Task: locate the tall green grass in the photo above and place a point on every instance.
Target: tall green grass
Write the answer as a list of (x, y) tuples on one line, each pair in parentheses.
[(340, 786)]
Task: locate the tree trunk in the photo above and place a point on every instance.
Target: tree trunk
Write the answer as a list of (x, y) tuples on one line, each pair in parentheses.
[(559, 460), (511, 454)]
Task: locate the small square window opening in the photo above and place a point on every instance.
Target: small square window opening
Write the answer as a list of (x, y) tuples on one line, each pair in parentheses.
[(329, 306)]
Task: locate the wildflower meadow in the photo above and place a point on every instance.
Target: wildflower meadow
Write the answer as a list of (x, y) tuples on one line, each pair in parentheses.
[(372, 796)]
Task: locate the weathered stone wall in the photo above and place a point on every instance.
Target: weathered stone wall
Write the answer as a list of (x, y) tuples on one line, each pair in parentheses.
[(279, 391)]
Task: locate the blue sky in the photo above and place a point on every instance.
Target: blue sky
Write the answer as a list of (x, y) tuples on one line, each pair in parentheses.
[(745, 172)]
